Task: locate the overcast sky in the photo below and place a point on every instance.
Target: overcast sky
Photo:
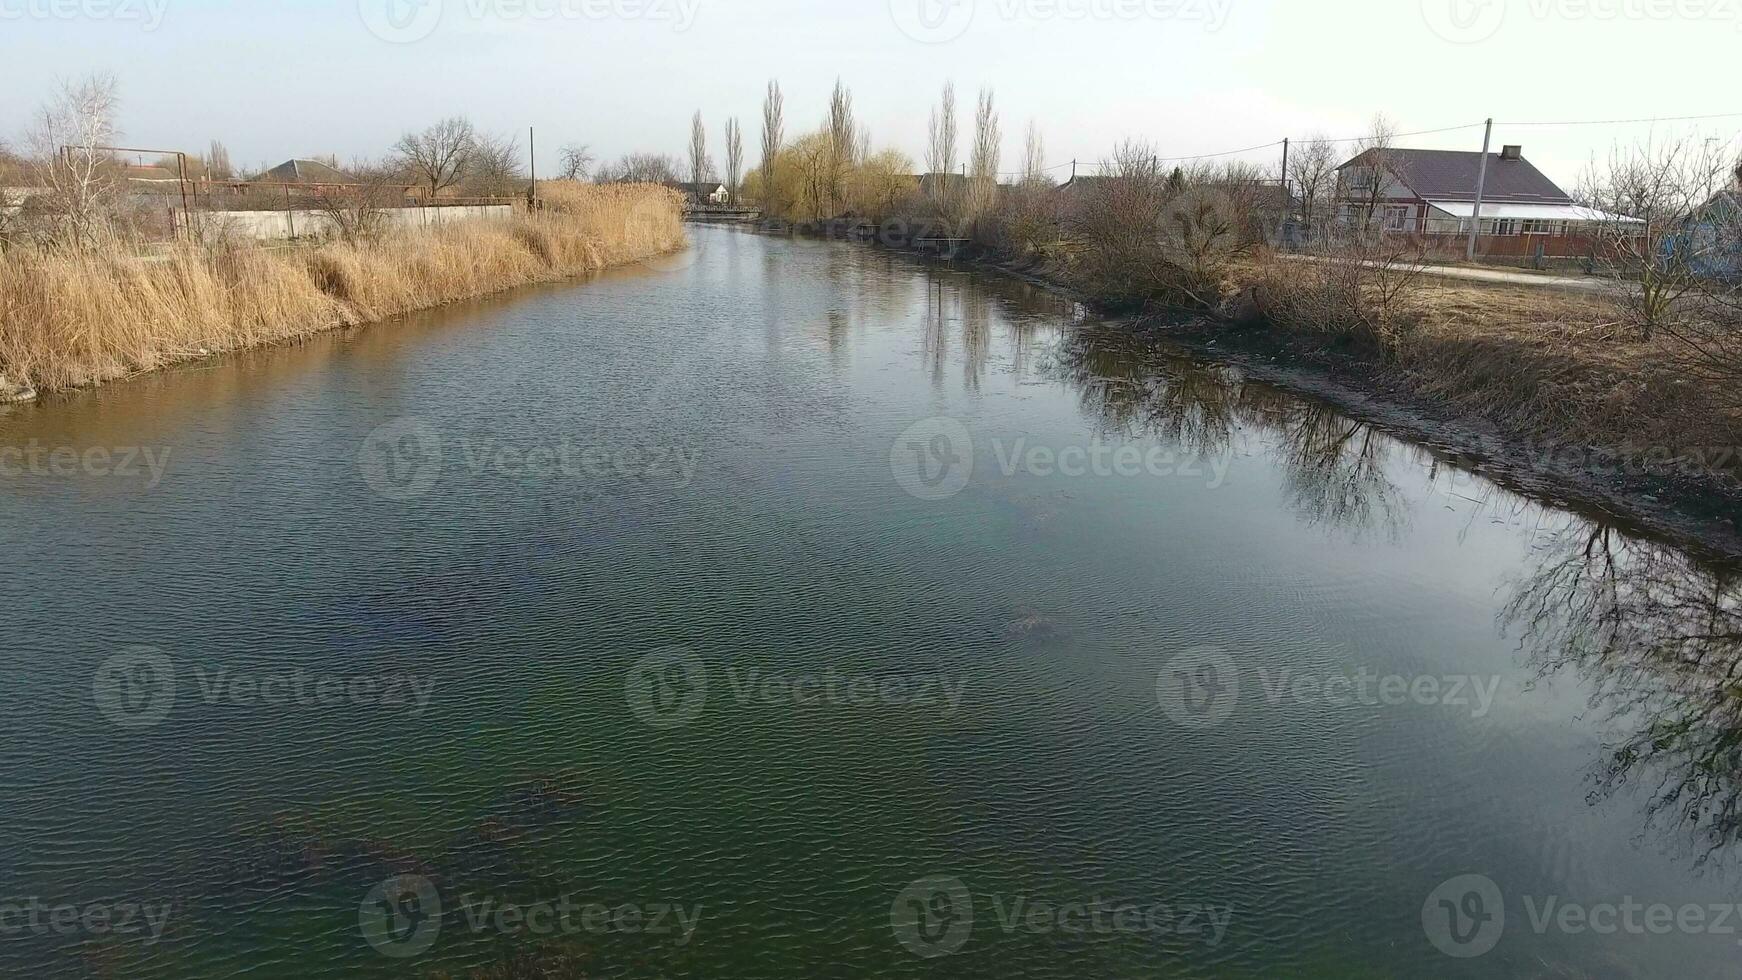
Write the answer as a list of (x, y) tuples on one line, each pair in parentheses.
[(278, 79)]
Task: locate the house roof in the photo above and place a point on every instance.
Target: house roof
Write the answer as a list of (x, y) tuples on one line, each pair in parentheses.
[(1082, 182), (950, 179), (306, 172), (1529, 212), (1726, 202), (1452, 175)]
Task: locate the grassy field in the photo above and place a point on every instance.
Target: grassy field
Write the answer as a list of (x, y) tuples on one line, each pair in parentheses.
[(1559, 370), (74, 318)]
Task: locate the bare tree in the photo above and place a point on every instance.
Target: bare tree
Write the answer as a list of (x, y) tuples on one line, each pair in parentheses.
[(940, 157), (67, 141), (1312, 178), (699, 165), (1028, 217), (358, 212), (1672, 230), (218, 162), (1647, 196), (843, 139), (573, 161), (1034, 156), (441, 156), (983, 164), (642, 168), (494, 167), (1368, 181), (773, 125), (734, 159)]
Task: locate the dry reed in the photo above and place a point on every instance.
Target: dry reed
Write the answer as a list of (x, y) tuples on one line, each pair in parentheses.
[(75, 318)]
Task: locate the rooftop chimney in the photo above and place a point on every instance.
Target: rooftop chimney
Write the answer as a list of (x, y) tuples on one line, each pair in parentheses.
[(1512, 151)]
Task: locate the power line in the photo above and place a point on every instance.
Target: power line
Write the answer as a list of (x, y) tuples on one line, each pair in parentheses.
[(1419, 132), (1622, 122)]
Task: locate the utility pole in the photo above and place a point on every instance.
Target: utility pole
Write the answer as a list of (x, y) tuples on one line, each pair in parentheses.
[(1287, 201), (1481, 185), (532, 159), (1073, 170)]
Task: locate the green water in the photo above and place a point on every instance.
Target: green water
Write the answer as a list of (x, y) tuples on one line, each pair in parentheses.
[(671, 599)]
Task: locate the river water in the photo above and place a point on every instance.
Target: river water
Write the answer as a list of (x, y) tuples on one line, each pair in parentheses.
[(789, 608)]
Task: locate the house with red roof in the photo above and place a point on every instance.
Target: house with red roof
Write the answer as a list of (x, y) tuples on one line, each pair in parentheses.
[(1431, 195)]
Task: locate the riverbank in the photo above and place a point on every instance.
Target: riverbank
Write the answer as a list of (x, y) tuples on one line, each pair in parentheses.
[(70, 319), (1539, 390)]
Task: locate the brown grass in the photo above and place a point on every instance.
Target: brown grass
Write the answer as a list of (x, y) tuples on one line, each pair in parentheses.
[(69, 319), (1556, 369)]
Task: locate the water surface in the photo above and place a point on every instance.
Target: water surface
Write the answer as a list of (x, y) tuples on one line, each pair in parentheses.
[(672, 591)]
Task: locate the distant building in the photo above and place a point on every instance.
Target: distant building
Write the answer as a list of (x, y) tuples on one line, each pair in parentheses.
[(1711, 238), (306, 172), (143, 179), (940, 185), (706, 192), (1432, 194)]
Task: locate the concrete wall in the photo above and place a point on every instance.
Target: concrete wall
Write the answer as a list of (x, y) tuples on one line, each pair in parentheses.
[(279, 225)]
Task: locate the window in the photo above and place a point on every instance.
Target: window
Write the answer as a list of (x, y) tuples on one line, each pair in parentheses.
[(1545, 227), (1397, 217)]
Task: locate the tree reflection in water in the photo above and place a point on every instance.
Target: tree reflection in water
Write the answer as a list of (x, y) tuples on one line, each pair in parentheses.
[(1657, 636), (1335, 466), (1654, 634)]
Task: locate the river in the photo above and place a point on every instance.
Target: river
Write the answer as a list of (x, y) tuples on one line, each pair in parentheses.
[(791, 608)]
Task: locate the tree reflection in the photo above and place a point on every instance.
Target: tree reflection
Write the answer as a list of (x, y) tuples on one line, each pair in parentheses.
[(1335, 466), (1336, 470), (1658, 637)]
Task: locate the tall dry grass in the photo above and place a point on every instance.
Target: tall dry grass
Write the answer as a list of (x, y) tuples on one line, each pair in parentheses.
[(1553, 370), (70, 318)]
